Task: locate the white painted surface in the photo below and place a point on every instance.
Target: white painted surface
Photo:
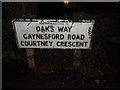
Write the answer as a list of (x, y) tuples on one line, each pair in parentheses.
[(27, 28)]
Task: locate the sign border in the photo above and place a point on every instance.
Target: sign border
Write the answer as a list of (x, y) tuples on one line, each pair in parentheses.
[(36, 20)]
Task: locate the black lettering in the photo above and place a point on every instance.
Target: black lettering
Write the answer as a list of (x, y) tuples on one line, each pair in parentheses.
[(38, 43), (53, 36), (62, 43), (42, 29), (46, 42), (50, 43), (42, 36), (77, 37), (69, 36), (69, 44), (82, 36), (22, 43), (45, 35), (49, 35), (61, 36), (86, 44), (24, 35), (37, 36), (73, 44), (33, 36), (73, 36), (43, 44), (81, 44), (38, 28), (52, 28), (69, 28), (58, 43), (47, 28), (65, 29), (34, 43), (60, 29), (65, 44), (57, 36), (26, 44), (77, 44), (29, 36)]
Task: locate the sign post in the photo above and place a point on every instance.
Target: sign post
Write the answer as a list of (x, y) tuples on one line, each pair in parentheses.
[(77, 54), (53, 34), (30, 58)]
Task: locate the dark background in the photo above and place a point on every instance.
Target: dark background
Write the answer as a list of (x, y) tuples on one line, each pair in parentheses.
[(99, 66)]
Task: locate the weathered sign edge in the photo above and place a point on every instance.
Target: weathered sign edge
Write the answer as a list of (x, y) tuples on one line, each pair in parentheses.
[(36, 20)]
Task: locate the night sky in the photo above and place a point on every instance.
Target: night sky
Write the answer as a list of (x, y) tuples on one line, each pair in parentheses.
[(58, 9)]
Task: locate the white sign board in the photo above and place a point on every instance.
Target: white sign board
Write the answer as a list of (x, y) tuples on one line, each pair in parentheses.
[(64, 34)]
